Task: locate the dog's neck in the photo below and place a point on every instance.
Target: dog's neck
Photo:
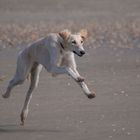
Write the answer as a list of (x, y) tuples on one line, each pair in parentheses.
[(62, 46), (61, 43)]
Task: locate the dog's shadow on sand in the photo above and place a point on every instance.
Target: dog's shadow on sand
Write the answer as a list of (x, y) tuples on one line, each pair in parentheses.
[(14, 128)]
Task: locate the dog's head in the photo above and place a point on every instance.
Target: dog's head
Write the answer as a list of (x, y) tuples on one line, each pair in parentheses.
[(74, 42)]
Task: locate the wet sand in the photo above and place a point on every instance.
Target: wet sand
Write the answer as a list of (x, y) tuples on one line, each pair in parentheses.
[(59, 109)]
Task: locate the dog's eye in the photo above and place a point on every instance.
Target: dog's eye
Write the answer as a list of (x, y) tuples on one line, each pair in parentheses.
[(74, 42), (82, 41)]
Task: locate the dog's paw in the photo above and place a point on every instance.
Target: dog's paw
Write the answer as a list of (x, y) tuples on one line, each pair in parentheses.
[(22, 123), (54, 74), (22, 118), (5, 96), (91, 95), (80, 79)]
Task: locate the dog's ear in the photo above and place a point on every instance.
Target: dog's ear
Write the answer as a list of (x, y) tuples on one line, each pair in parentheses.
[(83, 33), (65, 34)]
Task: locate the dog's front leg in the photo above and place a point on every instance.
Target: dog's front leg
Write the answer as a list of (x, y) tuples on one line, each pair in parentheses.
[(54, 69), (87, 92), (66, 70), (85, 88), (75, 75), (69, 61)]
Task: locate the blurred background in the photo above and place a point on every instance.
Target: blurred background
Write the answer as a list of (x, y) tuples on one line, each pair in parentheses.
[(30, 11), (107, 21), (112, 21)]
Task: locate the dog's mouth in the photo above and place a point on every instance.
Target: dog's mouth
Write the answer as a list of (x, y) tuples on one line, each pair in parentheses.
[(78, 54)]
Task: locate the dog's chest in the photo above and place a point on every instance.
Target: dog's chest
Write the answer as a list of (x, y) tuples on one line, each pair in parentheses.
[(59, 57)]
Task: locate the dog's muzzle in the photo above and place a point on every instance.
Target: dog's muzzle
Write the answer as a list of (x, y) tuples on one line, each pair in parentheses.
[(79, 54)]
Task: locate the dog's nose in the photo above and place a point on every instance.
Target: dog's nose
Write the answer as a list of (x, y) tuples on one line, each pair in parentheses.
[(82, 52)]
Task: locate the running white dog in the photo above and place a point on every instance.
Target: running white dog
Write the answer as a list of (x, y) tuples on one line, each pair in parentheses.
[(56, 53)]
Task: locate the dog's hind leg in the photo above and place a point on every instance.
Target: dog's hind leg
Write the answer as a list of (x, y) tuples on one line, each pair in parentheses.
[(35, 71), (15, 81), (22, 70)]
